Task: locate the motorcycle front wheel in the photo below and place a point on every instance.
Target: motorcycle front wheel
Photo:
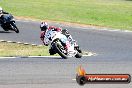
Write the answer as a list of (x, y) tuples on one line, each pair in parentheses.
[(59, 49), (14, 27)]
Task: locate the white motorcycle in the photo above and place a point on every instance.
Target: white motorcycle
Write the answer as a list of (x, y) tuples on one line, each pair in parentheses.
[(58, 43)]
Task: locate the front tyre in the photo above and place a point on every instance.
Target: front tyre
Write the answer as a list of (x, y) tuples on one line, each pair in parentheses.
[(60, 50), (14, 27)]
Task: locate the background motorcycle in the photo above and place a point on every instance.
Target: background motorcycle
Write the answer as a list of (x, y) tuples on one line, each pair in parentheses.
[(57, 45), (9, 23)]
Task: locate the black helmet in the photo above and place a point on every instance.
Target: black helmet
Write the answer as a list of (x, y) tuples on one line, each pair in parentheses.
[(43, 26)]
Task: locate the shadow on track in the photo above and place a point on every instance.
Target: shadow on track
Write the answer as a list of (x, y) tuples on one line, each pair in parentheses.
[(56, 58), (5, 32), (52, 57)]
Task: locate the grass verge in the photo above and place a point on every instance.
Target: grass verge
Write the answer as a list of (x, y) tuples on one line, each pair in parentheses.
[(13, 49), (109, 13)]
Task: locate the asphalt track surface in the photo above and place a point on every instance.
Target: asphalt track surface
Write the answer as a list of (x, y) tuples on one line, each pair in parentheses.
[(113, 49)]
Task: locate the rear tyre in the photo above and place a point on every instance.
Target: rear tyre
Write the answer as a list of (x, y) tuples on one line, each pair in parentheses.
[(4, 28), (78, 55), (79, 52)]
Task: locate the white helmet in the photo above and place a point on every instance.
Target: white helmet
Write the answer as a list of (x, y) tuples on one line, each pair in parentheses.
[(1, 9), (43, 26)]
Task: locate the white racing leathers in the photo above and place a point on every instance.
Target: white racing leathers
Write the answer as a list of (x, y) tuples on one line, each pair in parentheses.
[(51, 35)]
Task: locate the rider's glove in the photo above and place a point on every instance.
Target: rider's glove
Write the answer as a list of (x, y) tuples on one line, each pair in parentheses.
[(45, 43)]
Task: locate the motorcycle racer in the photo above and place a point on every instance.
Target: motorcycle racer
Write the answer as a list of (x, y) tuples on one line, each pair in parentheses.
[(44, 27), (1, 15), (2, 11)]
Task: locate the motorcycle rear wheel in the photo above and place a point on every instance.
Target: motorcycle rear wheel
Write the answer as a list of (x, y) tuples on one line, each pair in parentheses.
[(79, 52), (78, 55), (4, 28)]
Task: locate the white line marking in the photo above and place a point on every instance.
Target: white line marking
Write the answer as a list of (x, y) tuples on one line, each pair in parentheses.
[(26, 44), (34, 44), (20, 43), (2, 41), (40, 45), (74, 79), (9, 41), (90, 54), (87, 55)]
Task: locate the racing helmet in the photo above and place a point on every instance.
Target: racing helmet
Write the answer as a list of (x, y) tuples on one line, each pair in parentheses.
[(1, 10), (43, 26)]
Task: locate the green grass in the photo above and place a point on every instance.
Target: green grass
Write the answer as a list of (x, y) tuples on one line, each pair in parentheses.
[(12, 49), (109, 13)]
